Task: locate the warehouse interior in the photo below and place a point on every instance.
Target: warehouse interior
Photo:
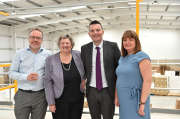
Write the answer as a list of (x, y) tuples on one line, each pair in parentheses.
[(159, 33)]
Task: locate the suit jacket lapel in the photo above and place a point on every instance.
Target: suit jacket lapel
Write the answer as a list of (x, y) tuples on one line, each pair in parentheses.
[(104, 53), (58, 70)]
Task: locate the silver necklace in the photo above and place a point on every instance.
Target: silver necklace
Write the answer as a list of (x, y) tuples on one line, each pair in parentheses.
[(69, 65)]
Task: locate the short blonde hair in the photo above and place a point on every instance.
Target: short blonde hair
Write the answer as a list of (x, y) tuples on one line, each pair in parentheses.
[(36, 29), (64, 37)]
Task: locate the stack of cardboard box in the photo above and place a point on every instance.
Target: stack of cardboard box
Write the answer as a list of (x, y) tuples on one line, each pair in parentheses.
[(174, 82), (1, 81), (160, 82), (155, 67), (178, 103)]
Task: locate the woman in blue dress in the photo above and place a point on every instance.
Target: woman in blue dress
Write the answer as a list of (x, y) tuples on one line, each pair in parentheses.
[(133, 79)]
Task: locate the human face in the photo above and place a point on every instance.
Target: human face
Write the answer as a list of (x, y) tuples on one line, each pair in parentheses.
[(65, 45), (129, 44), (35, 40), (96, 33)]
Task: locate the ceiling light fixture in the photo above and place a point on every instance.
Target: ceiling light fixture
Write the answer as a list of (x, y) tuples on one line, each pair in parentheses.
[(13, 12), (147, 28), (1, 2), (155, 2)]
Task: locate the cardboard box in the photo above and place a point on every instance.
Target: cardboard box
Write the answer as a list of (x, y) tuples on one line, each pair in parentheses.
[(177, 103), (1, 81)]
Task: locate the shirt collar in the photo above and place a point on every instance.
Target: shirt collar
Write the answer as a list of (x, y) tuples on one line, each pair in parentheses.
[(40, 49), (100, 45)]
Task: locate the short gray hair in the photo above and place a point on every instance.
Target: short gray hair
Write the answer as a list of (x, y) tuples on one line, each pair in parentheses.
[(36, 29), (64, 37)]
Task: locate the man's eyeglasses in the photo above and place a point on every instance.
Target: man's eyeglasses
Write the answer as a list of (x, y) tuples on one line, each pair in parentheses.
[(33, 37)]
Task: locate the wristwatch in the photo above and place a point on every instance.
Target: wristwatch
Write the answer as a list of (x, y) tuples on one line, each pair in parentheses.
[(141, 103)]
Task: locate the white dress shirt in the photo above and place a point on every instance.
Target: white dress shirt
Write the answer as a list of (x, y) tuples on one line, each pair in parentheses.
[(93, 72)]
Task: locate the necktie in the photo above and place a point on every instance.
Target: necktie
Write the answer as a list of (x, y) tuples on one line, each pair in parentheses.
[(98, 71)]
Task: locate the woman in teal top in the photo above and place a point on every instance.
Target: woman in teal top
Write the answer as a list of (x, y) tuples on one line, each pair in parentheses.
[(133, 79)]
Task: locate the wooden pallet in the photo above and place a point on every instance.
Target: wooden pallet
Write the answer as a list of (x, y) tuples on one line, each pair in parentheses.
[(161, 94), (174, 94)]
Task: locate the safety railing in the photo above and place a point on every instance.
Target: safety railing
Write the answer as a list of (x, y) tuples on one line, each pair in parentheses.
[(11, 84)]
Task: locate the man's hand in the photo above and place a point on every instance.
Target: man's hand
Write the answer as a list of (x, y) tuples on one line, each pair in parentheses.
[(32, 77), (52, 108), (83, 84)]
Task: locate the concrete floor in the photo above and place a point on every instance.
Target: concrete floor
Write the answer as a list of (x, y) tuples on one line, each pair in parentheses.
[(166, 102), (7, 114)]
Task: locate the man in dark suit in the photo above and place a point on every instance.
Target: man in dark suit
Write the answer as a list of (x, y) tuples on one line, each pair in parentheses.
[(100, 60)]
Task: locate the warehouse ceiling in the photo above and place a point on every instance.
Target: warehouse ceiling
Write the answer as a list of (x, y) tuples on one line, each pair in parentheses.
[(73, 16)]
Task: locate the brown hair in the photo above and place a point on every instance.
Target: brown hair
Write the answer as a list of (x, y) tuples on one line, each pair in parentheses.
[(130, 34), (64, 37), (36, 29)]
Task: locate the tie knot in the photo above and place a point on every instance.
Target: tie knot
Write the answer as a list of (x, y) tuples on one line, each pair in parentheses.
[(97, 48)]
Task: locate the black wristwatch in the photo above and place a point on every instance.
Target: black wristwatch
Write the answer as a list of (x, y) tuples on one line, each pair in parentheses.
[(141, 103)]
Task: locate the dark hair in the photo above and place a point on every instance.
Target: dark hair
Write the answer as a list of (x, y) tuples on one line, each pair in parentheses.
[(130, 34), (95, 22), (64, 37)]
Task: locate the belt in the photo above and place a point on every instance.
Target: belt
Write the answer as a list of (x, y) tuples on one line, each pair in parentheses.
[(30, 91), (136, 89)]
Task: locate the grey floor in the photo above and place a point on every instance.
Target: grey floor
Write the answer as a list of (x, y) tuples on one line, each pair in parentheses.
[(165, 102)]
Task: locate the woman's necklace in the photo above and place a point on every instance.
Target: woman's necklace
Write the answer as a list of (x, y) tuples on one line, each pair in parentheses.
[(69, 64)]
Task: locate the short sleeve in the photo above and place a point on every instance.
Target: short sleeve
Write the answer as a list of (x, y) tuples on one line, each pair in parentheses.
[(142, 55)]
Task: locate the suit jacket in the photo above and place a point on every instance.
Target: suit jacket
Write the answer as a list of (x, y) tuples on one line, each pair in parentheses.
[(111, 55), (54, 81)]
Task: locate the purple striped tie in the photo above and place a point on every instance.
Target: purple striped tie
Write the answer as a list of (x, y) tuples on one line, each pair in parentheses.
[(98, 71)]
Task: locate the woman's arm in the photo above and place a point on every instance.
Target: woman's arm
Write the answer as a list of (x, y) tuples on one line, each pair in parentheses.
[(145, 69)]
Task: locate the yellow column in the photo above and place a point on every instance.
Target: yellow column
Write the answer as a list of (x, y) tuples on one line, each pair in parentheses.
[(137, 16), (15, 88)]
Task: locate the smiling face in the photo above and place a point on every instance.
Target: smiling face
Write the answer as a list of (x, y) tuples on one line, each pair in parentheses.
[(129, 44), (65, 45), (96, 33), (35, 40)]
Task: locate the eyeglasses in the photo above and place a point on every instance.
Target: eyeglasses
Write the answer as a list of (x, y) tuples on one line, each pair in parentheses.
[(33, 38)]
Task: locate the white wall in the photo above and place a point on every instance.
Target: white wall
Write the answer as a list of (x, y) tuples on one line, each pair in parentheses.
[(22, 41), (157, 43)]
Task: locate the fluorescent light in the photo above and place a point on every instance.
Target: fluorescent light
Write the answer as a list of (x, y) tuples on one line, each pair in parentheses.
[(27, 16), (62, 10), (155, 2), (70, 9), (8, 0), (78, 7), (133, 3)]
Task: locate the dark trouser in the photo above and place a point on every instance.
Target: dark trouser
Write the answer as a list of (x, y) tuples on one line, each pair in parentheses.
[(69, 109), (100, 102), (30, 103)]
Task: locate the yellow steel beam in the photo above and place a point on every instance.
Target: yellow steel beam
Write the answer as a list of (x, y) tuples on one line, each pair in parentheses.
[(5, 65), (8, 87), (3, 13), (137, 16)]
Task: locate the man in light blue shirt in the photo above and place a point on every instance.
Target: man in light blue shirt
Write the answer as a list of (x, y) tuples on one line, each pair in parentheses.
[(28, 68)]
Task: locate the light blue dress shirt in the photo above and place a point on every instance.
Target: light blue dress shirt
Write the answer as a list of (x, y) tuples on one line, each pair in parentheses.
[(26, 62)]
